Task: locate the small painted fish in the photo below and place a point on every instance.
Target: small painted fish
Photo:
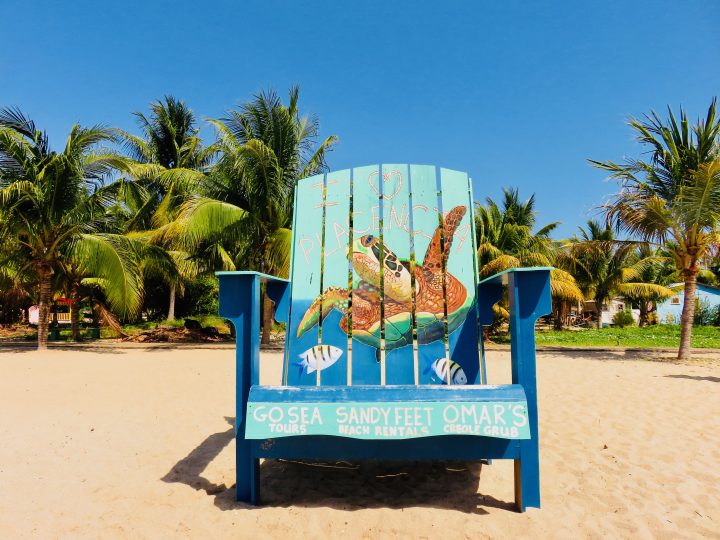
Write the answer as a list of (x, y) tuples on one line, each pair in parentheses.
[(440, 369), (318, 358)]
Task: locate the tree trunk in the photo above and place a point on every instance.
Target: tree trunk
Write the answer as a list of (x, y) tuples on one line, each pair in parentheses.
[(171, 309), (267, 319), (44, 308), (75, 312), (688, 314), (644, 309), (560, 313)]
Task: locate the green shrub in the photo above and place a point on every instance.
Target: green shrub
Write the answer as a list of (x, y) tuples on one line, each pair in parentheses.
[(623, 318), (201, 296)]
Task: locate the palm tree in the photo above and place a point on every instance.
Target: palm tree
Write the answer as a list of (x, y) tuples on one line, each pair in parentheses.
[(660, 270), (54, 203), (505, 239), (14, 283), (605, 267), (674, 197), (170, 161), (244, 217)]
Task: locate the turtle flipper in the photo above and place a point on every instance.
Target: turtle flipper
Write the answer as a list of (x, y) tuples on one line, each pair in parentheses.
[(332, 298), (433, 255)]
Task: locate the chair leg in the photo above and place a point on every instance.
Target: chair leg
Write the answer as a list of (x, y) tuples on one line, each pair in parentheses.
[(247, 483), (527, 480)]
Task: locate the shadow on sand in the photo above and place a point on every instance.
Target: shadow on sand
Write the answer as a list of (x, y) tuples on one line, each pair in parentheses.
[(694, 377), (632, 354), (80, 348), (343, 485)]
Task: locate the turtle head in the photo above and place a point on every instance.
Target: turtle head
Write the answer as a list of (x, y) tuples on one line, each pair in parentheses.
[(366, 258), (370, 258)]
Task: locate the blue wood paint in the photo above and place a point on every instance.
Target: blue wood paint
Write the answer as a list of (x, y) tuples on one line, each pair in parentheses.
[(460, 255), (404, 393), (425, 222), (388, 420), (481, 344), (447, 447), (240, 303), (307, 259), (335, 271), (399, 360), (529, 294), (366, 221)]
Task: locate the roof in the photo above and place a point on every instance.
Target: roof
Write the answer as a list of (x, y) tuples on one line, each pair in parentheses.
[(715, 290)]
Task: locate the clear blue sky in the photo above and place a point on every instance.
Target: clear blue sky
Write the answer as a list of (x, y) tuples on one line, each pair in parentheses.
[(516, 93)]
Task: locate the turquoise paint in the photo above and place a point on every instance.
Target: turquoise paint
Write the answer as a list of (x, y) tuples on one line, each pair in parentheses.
[(425, 222), (407, 434), (399, 362), (366, 220), (335, 269), (388, 420), (463, 341), (305, 276)]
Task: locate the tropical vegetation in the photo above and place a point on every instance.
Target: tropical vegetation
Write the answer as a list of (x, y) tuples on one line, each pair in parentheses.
[(129, 228), (673, 198)]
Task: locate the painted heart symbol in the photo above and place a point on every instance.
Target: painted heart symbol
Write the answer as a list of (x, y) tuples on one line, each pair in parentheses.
[(392, 183)]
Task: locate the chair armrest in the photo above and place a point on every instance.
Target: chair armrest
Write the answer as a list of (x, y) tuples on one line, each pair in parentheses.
[(234, 285), (529, 299), (535, 298)]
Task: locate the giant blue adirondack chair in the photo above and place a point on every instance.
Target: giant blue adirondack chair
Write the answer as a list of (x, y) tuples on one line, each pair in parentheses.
[(384, 312)]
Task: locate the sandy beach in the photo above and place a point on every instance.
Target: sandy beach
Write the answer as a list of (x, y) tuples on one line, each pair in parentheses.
[(138, 443)]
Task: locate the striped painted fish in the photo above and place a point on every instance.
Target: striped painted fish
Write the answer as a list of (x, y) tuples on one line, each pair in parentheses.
[(440, 368), (318, 358)]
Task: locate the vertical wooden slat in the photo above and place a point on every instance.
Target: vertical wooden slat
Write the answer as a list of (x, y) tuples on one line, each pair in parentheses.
[(289, 338), (366, 323), (307, 253), (335, 273), (397, 284), (430, 320), (481, 343), (460, 273)]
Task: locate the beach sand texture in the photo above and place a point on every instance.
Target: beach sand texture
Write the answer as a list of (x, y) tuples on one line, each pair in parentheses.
[(138, 443)]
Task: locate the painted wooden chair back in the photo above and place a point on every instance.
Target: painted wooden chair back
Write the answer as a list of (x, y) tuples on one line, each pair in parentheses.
[(384, 277)]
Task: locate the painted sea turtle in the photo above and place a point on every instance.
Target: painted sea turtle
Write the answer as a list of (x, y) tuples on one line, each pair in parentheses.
[(429, 310)]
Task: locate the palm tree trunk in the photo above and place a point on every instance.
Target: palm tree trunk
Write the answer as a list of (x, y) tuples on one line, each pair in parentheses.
[(171, 309), (44, 308), (688, 314), (560, 313), (267, 319), (75, 312)]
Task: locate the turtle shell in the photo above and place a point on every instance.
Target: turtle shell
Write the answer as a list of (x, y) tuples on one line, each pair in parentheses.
[(398, 328)]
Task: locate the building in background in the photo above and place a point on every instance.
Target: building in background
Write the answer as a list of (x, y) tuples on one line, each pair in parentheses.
[(670, 310)]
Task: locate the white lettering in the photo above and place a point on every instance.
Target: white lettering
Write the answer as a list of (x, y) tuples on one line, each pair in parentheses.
[(499, 409), (520, 416)]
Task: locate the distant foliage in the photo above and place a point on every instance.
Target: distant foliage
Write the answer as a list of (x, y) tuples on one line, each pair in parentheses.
[(706, 315), (623, 318), (201, 296)]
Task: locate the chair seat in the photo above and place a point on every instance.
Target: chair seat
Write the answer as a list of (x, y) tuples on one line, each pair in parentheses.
[(387, 412)]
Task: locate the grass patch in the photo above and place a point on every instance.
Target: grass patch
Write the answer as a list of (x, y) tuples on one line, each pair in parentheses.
[(661, 335)]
